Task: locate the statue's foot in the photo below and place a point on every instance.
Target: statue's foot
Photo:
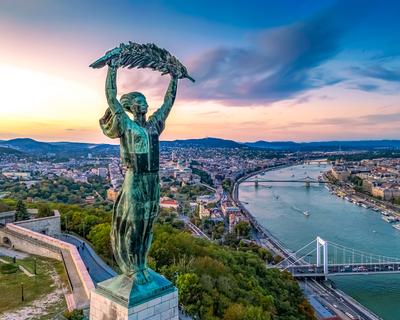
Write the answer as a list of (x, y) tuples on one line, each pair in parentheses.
[(142, 277)]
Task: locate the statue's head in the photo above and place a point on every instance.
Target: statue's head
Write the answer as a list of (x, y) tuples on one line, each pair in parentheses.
[(134, 102)]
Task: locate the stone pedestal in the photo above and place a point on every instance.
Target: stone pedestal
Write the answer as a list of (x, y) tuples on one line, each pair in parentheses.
[(119, 299)]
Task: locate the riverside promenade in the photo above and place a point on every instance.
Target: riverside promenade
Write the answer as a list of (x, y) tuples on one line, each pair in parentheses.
[(337, 301)]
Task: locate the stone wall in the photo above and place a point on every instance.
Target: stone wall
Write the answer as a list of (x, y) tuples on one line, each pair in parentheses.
[(7, 217), (80, 266), (160, 308), (28, 244), (30, 241), (47, 225)]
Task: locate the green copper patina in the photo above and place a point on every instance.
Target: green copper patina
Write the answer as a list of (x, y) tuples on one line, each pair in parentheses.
[(137, 205)]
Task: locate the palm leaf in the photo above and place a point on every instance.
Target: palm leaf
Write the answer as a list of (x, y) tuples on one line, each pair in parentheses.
[(135, 55)]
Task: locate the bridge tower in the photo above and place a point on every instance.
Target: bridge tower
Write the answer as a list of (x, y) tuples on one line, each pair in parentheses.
[(324, 244), (308, 180)]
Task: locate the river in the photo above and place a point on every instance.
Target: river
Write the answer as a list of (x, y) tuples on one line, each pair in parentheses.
[(279, 208)]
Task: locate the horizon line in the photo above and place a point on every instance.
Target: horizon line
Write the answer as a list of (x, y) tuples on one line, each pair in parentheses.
[(240, 142)]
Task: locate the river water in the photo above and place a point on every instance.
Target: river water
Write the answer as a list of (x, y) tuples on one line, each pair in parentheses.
[(279, 207)]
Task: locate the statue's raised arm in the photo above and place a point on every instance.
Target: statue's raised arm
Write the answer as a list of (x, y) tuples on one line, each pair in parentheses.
[(111, 90), (160, 116)]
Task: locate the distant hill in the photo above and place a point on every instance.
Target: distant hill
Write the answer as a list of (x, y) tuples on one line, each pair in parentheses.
[(31, 146), (326, 145), (103, 149), (4, 150), (272, 145), (75, 148), (203, 143), (28, 145)]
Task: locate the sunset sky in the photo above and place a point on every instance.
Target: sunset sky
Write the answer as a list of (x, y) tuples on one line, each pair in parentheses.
[(265, 70)]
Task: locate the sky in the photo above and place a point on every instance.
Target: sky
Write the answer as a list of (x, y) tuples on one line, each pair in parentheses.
[(265, 70)]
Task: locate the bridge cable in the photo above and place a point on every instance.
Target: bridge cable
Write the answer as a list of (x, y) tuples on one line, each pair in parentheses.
[(294, 253)]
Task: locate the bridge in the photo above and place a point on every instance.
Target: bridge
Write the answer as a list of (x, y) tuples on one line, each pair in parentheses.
[(321, 259), (317, 161), (307, 181)]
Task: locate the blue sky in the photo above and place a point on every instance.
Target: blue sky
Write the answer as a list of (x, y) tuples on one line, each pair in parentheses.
[(280, 70)]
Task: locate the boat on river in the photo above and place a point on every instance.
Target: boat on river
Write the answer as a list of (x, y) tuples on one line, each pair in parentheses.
[(389, 219), (396, 226), (306, 213)]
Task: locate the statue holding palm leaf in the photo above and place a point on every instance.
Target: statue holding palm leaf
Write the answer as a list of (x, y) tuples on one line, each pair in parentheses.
[(137, 204)]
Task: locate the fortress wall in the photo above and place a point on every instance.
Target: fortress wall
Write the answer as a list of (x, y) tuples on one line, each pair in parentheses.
[(29, 245), (47, 225), (81, 270)]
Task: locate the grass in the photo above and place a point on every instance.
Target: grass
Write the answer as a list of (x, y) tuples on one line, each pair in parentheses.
[(34, 287), (8, 268)]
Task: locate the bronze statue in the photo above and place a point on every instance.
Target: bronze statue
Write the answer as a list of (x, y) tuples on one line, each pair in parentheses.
[(137, 205)]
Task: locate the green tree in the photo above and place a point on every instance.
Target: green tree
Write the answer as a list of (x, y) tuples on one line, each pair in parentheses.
[(255, 313), (4, 207), (217, 282), (227, 185), (242, 229), (99, 236), (189, 289), (44, 210), (20, 211)]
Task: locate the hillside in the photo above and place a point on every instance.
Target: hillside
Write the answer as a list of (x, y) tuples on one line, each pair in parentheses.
[(31, 146), (203, 143), (326, 145)]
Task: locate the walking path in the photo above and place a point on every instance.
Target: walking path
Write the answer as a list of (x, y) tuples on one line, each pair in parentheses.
[(78, 291), (98, 269), (12, 253)]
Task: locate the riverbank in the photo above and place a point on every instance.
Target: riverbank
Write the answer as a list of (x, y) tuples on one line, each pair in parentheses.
[(328, 296), (345, 191)]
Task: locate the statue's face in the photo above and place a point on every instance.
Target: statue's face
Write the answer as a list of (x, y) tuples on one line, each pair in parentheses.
[(139, 104)]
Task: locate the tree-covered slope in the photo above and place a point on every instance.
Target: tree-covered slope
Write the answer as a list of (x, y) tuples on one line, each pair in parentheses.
[(217, 282)]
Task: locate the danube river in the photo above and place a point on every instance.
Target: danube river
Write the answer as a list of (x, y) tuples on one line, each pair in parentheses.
[(279, 208)]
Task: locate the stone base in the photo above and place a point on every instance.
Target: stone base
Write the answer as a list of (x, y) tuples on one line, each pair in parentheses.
[(119, 299)]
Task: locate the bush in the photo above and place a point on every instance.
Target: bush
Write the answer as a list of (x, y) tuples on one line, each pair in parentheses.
[(74, 315), (44, 210), (8, 268)]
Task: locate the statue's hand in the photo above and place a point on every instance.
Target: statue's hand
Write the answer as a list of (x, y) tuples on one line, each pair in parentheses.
[(174, 76), (112, 64)]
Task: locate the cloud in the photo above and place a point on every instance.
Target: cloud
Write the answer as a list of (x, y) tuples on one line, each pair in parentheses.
[(278, 63), (378, 72), (366, 120), (369, 87)]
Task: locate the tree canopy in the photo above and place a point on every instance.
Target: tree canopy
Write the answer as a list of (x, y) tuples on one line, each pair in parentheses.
[(217, 282)]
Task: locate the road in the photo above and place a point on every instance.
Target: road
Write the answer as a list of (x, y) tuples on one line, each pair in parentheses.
[(98, 269), (195, 230)]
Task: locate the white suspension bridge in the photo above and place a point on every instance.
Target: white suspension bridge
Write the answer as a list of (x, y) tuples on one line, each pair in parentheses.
[(320, 259), (306, 180)]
